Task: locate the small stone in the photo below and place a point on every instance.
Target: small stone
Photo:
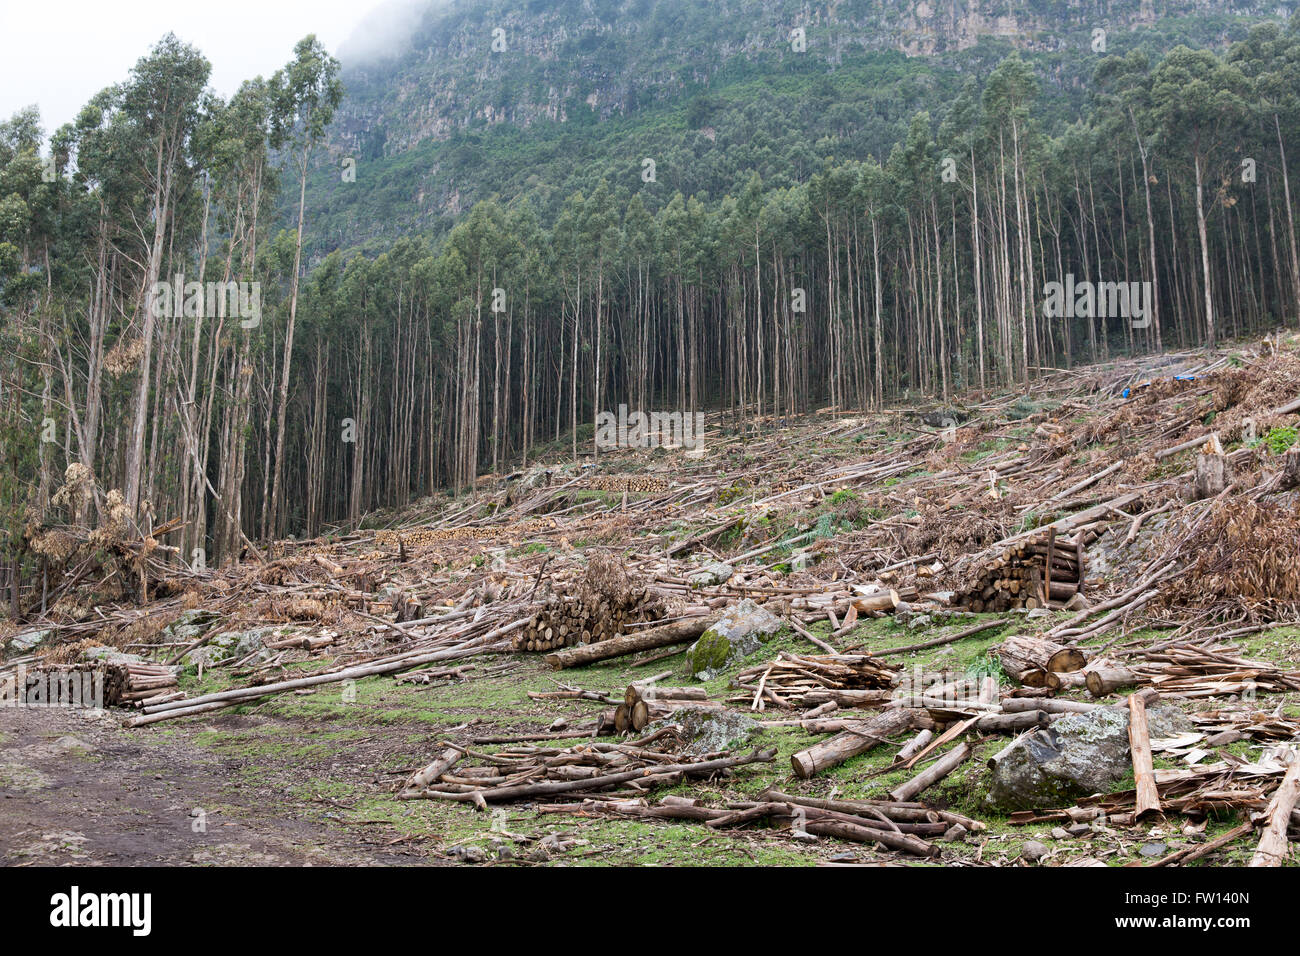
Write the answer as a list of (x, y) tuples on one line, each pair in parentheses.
[(1033, 851), (1060, 833), (1154, 849)]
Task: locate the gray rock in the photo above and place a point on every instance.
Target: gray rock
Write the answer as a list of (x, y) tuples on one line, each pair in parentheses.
[(715, 572), (1154, 849), (709, 731), (738, 633), (1038, 612), (236, 645), (1075, 756), (1033, 851), (191, 625), (21, 643), (918, 622)]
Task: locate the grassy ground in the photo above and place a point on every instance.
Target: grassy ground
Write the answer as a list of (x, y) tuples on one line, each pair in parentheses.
[(336, 754)]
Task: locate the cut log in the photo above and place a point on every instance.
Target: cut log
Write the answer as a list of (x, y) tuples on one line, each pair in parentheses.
[(418, 781), (1011, 723), (666, 635), (882, 601), (1067, 660), (1139, 738), (849, 743), (1015, 705), (932, 774), (1272, 847), (1291, 468), (1108, 679), (1212, 471), (1025, 658), (914, 745)]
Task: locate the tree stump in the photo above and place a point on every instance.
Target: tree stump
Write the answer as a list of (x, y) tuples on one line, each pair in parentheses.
[(1212, 472), (1291, 468)]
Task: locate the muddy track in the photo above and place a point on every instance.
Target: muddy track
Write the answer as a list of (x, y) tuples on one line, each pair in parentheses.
[(76, 789)]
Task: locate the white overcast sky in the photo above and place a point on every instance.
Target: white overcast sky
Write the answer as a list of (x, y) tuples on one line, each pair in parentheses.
[(59, 53)]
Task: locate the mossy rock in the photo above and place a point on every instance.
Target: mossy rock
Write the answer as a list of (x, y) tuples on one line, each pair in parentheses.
[(739, 633)]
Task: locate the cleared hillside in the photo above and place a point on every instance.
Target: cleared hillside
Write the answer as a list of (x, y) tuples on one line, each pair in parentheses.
[(378, 684)]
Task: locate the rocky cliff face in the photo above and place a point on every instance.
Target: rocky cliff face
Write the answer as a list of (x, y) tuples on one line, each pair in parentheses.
[(467, 62)]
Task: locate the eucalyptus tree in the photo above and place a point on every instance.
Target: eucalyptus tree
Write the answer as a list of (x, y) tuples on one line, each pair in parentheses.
[(1270, 57), (305, 95), (1199, 103), (1123, 101), (150, 125)]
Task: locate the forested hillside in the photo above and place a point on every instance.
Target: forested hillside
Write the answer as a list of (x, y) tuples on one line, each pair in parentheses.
[(844, 230), (570, 92)]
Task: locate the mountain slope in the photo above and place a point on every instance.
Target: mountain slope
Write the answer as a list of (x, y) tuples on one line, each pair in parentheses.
[(588, 89)]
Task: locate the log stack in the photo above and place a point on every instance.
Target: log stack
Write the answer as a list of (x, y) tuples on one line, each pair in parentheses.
[(643, 484), (1045, 571), (604, 605), (135, 684), (125, 684), (587, 617)]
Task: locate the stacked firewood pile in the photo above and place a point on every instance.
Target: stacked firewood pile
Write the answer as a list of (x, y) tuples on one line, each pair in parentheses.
[(122, 684), (139, 683), (523, 772), (606, 602), (419, 537), (814, 679), (1045, 571), (636, 483)]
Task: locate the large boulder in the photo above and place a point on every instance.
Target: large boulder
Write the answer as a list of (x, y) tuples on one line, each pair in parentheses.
[(709, 731), (1075, 756), (738, 633), (25, 641), (236, 645), (191, 625), (715, 572), (113, 655)]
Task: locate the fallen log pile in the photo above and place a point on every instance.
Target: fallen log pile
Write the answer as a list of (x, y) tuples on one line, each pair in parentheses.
[(806, 679), (907, 827), (126, 684), (1179, 670), (525, 772)]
